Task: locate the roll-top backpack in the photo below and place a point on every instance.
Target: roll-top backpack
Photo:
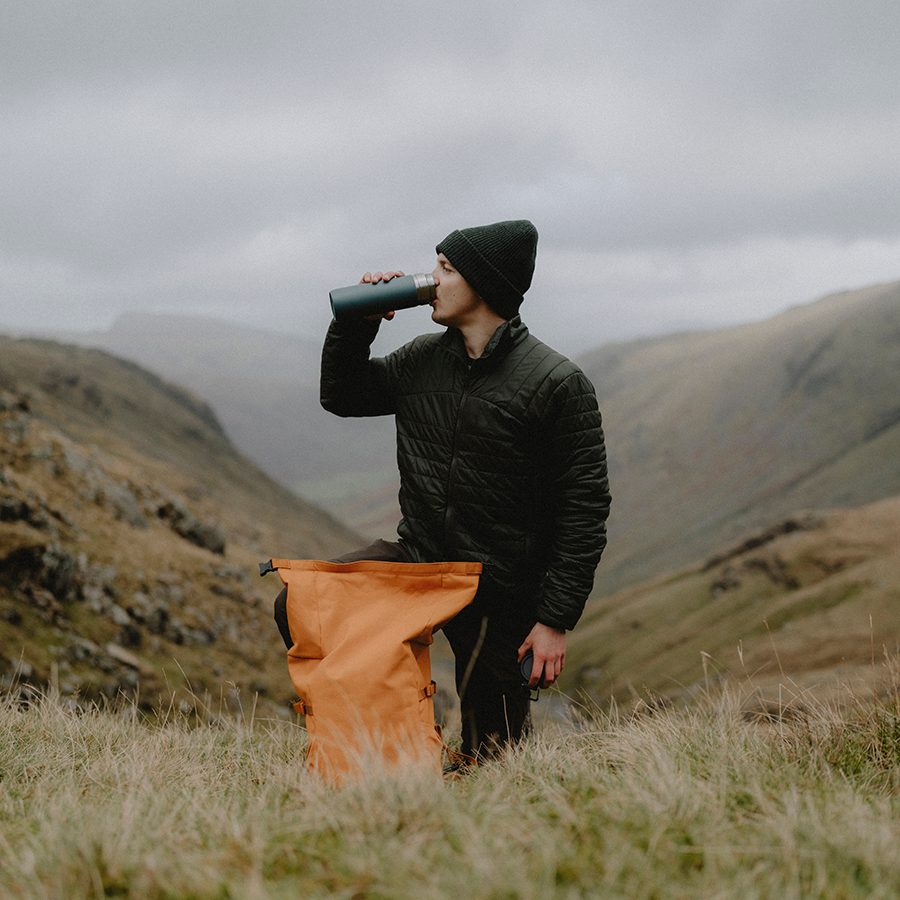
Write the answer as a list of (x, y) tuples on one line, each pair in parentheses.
[(359, 636)]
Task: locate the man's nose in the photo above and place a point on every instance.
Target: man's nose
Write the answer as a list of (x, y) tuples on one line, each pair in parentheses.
[(435, 274)]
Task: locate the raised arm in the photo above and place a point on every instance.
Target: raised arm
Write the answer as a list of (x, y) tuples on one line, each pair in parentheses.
[(352, 383)]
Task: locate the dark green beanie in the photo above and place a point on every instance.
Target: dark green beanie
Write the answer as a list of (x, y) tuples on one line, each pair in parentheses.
[(497, 260)]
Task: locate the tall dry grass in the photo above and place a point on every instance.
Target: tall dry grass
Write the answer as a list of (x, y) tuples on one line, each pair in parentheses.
[(709, 801)]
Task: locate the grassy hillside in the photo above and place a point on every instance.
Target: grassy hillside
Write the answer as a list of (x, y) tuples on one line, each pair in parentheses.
[(130, 529), (713, 434), (707, 802), (264, 386), (812, 602)]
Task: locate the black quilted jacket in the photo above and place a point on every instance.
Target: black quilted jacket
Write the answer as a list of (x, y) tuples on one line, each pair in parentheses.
[(501, 458)]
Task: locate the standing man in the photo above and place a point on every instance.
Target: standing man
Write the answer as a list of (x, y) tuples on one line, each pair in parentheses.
[(502, 461)]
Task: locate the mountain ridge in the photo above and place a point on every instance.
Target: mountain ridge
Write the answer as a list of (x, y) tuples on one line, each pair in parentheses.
[(717, 433)]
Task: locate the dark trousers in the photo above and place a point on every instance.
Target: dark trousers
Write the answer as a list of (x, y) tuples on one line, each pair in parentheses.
[(494, 701), (485, 637)]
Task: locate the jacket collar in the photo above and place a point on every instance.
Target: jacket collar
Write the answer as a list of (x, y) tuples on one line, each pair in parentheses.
[(502, 340)]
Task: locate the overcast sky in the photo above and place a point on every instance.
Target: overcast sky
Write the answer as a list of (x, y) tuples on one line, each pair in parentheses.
[(686, 164)]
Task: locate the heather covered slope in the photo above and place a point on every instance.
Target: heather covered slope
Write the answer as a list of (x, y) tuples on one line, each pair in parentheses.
[(130, 529), (810, 603)]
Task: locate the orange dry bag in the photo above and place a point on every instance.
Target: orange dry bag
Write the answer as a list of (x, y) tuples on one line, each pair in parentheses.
[(359, 660)]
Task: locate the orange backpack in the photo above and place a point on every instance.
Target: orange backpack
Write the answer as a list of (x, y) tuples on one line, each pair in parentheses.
[(360, 662)]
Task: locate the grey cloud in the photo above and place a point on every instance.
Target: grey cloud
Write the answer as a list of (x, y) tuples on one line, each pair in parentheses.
[(235, 156)]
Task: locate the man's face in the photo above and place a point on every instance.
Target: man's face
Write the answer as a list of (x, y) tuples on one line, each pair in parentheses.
[(456, 303)]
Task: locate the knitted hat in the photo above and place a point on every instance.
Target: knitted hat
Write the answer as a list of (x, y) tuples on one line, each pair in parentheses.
[(497, 260)]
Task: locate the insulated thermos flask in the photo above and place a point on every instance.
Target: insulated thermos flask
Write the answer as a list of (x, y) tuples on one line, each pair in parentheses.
[(374, 299)]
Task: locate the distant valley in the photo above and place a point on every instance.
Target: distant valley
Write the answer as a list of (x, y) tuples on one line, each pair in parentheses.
[(264, 386)]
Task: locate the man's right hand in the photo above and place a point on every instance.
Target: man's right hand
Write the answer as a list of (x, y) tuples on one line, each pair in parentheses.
[(373, 278)]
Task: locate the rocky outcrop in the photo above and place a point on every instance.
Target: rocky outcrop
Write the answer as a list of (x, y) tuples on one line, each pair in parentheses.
[(129, 531), (47, 585), (67, 463), (54, 588), (185, 523), (803, 522)]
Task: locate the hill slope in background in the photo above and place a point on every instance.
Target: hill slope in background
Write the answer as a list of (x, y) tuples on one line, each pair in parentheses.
[(130, 529), (812, 601), (710, 434), (264, 387), (713, 434)]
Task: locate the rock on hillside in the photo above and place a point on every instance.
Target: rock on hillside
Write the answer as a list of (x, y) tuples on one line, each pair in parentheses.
[(130, 530), (810, 601)]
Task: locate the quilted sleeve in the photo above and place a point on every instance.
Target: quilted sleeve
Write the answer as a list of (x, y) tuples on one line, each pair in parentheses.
[(352, 383), (579, 500)]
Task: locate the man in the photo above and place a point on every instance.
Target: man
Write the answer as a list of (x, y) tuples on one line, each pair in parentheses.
[(502, 461)]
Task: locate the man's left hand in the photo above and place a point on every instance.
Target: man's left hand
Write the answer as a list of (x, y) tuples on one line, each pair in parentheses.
[(549, 648)]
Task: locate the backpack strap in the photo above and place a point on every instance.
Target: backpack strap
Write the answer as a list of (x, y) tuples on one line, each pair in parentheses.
[(305, 709), (273, 565)]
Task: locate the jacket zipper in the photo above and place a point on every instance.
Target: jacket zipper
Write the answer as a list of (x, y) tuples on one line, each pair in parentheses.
[(467, 383)]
